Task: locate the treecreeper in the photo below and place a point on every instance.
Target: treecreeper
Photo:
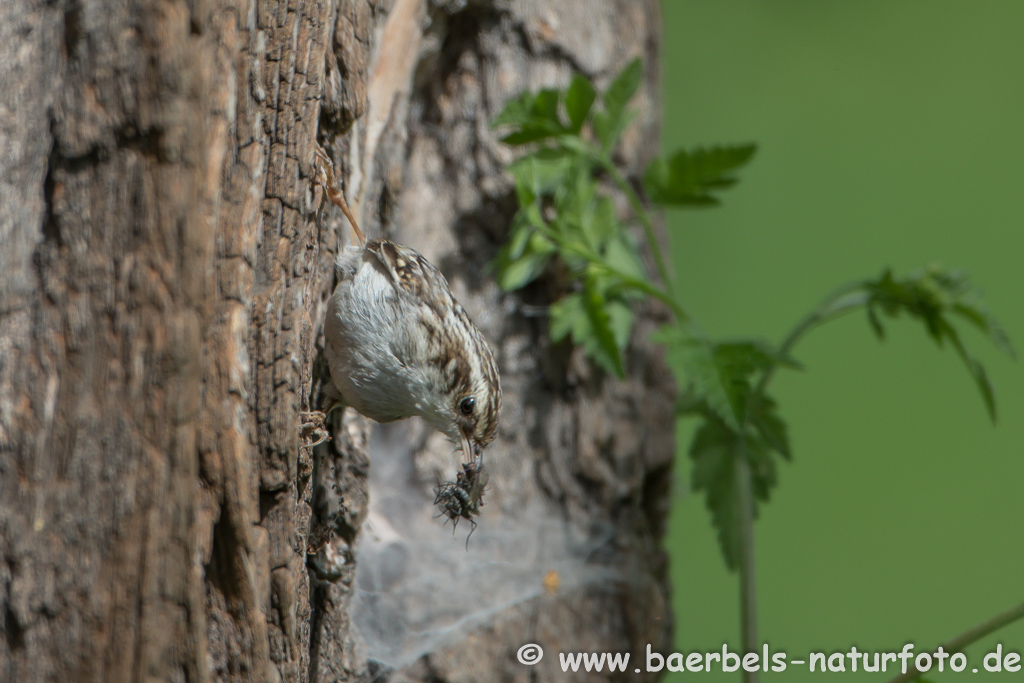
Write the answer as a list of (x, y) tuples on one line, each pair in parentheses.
[(398, 344)]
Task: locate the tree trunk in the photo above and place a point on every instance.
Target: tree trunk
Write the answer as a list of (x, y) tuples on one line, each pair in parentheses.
[(165, 273)]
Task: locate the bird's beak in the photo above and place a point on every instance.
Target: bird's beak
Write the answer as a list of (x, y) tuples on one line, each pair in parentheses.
[(471, 448)]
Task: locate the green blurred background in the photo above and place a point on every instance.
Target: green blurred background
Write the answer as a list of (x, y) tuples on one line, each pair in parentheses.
[(889, 134)]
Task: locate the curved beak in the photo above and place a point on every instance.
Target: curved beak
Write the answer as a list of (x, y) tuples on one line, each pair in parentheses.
[(472, 449)]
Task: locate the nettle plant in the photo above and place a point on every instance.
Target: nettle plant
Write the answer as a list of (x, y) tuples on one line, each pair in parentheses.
[(565, 182)]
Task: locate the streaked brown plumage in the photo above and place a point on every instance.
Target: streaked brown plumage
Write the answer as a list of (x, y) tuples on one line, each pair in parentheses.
[(398, 343)]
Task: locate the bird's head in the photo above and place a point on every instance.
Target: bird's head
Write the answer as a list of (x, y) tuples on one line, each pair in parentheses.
[(469, 401)]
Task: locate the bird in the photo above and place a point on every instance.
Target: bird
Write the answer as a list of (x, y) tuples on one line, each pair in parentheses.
[(399, 344)]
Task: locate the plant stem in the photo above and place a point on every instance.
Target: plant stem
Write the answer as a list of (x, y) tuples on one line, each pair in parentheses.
[(595, 258), (641, 214), (840, 302), (748, 577), (968, 637), (847, 298)]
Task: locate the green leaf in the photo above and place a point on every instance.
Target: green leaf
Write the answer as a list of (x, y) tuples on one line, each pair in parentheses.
[(579, 98), (623, 257), (522, 258), (516, 112), (719, 373), (545, 107), (688, 178), (520, 238), (620, 317), (763, 416), (542, 172), (574, 198), (532, 117), (714, 473), (593, 323), (608, 129), (599, 222), (979, 316), (988, 394), (601, 344), (714, 451), (603, 129), (568, 317), (975, 368), (934, 296), (621, 90), (875, 322)]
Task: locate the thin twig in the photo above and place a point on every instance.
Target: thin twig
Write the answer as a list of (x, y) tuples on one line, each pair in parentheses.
[(969, 637)]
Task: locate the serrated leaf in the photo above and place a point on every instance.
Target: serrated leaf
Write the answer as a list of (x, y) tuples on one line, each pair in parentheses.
[(988, 395), (579, 98), (622, 255), (568, 317), (702, 371), (875, 322), (599, 222), (519, 238), (933, 296), (688, 178), (583, 316), (609, 130), (542, 172), (521, 260), (719, 373), (516, 111), (764, 417), (713, 473), (601, 344), (545, 107), (532, 117), (621, 90), (714, 451), (574, 199), (620, 316), (984, 321), (603, 128)]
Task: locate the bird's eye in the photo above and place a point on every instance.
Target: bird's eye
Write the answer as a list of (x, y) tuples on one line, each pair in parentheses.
[(467, 405)]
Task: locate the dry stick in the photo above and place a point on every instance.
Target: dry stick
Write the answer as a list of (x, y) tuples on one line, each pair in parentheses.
[(967, 638)]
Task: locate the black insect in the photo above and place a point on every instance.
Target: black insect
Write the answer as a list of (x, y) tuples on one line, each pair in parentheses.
[(463, 498)]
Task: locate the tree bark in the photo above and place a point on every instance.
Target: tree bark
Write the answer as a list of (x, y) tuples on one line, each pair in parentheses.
[(165, 270)]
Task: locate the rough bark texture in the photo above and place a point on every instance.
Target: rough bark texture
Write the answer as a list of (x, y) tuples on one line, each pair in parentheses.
[(164, 274)]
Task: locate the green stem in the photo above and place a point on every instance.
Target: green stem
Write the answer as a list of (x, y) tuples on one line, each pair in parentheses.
[(627, 279), (968, 637), (847, 298), (641, 214), (748, 577), (840, 302)]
